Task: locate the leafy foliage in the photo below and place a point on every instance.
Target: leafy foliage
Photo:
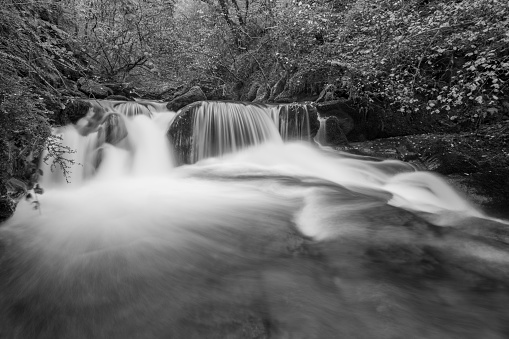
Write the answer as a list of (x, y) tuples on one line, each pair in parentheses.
[(445, 57), (418, 58), (38, 65), (119, 36)]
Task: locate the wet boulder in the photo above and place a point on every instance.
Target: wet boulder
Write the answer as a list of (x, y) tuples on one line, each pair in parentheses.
[(359, 123), (194, 94), (334, 134)]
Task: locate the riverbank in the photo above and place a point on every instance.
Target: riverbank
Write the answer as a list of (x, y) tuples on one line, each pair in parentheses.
[(475, 162)]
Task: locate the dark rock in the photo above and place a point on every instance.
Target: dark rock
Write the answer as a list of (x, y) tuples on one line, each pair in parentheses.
[(307, 84), (218, 93), (67, 70), (118, 97), (181, 90), (359, 122), (214, 89), (344, 119), (94, 89), (327, 93), (262, 94), (334, 134), (442, 158), (180, 134), (345, 122), (7, 207), (283, 100), (343, 110), (324, 107), (122, 89), (278, 88), (74, 110), (253, 90), (147, 94), (193, 95), (492, 181), (170, 93)]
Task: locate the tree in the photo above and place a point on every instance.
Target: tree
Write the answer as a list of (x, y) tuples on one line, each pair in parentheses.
[(120, 36)]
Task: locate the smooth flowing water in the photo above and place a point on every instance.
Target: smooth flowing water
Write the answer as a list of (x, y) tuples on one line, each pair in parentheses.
[(274, 240)]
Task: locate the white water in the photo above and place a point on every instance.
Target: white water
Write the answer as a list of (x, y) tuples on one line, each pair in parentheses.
[(276, 240), (294, 122), (221, 128)]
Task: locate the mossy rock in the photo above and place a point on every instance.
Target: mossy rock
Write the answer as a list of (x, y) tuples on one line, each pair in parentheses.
[(334, 134), (94, 89), (7, 207), (309, 82), (253, 90), (262, 93), (180, 134), (193, 95), (74, 110)]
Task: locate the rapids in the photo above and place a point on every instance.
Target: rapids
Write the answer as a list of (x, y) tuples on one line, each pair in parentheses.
[(270, 240)]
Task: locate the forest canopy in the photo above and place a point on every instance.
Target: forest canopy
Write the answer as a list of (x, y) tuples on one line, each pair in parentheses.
[(417, 56)]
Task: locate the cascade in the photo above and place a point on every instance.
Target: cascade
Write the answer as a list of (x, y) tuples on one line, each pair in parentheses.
[(220, 128), (113, 127), (253, 238), (209, 128), (294, 122)]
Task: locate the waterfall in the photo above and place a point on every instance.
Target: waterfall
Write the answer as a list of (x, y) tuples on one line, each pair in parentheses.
[(209, 128), (321, 135), (254, 237), (294, 122), (127, 131), (221, 128)]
